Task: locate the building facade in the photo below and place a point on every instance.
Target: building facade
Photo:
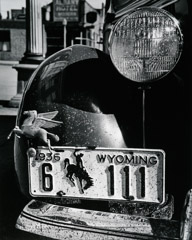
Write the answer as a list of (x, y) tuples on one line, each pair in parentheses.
[(65, 22), (12, 39), (69, 22)]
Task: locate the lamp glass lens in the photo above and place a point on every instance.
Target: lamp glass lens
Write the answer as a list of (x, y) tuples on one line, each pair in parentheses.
[(146, 44)]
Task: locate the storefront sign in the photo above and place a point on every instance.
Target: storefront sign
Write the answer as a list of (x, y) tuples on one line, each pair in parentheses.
[(66, 9)]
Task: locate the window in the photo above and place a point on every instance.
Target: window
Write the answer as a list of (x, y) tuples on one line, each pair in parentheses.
[(5, 44)]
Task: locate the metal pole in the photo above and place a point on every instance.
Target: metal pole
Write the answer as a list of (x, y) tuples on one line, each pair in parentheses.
[(81, 38), (64, 33)]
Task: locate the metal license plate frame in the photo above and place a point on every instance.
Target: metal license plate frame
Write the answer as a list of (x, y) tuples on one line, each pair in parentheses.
[(136, 175)]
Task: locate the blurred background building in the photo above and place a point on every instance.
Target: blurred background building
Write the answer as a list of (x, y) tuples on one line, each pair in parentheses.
[(32, 33), (64, 23)]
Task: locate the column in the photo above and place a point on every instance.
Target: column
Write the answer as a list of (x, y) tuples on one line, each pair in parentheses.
[(34, 49), (34, 37)]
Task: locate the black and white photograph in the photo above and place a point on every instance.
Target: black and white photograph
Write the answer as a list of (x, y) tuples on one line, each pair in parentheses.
[(95, 119)]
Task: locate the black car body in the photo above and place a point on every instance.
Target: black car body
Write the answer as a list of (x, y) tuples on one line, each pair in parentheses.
[(94, 106)]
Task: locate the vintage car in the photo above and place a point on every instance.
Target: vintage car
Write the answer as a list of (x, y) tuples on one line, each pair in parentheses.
[(102, 138)]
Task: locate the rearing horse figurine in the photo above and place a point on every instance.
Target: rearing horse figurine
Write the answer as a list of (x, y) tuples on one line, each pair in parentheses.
[(35, 125)]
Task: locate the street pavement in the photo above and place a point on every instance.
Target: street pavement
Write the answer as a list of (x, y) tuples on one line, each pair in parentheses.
[(8, 80), (8, 86)]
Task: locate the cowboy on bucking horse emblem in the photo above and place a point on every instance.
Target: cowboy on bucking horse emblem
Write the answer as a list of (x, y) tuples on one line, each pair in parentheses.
[(77, 170)]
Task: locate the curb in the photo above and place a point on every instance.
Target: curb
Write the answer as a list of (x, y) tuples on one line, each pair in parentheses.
[(8, 63), (8, 111)]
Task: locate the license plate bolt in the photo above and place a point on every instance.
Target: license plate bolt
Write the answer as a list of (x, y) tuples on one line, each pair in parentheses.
[(60, 194), (31, 152)]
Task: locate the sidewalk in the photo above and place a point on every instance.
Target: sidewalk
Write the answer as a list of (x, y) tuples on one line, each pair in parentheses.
[(8, 87), (8, 80)]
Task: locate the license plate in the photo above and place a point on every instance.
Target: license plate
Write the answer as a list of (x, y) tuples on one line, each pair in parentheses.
[(103, 173)]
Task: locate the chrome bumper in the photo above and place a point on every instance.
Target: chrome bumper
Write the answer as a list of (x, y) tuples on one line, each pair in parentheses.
[(60, 222)]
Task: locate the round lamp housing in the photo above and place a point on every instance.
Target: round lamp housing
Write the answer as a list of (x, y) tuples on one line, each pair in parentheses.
[(145, 44)]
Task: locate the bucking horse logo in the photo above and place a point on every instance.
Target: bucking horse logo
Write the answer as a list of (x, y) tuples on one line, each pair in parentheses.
[(77, 170)]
